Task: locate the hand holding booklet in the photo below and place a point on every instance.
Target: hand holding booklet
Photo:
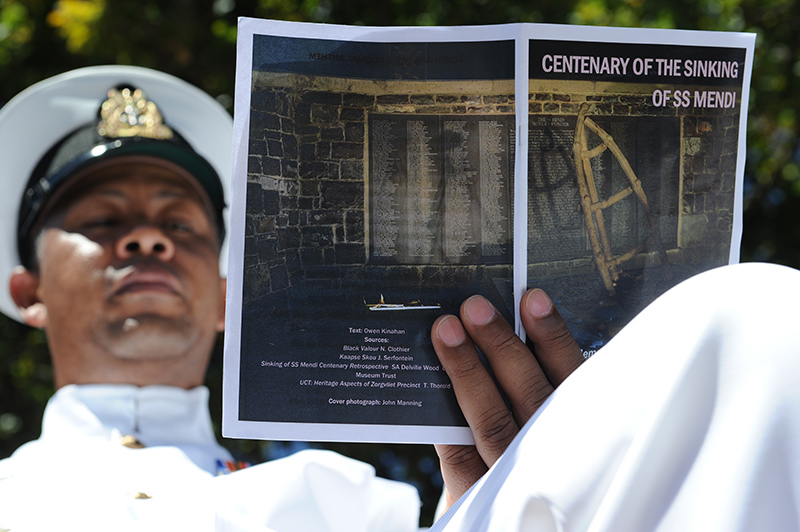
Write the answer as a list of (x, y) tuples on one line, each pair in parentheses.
[(384, 175)]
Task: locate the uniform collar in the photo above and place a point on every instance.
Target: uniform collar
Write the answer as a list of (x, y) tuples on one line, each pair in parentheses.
[(154, 415)]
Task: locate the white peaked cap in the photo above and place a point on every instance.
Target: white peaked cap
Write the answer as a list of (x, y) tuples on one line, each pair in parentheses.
[(40, 116)]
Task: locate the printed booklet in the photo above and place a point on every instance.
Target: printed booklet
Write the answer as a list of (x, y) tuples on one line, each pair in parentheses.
[(383, 175)]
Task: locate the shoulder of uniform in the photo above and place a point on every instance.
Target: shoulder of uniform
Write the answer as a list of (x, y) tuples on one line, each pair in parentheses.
[(6, 466)]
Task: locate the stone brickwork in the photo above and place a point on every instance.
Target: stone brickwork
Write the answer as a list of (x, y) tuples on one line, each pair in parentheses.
[(709, 140), (306, 171), (306, 186)]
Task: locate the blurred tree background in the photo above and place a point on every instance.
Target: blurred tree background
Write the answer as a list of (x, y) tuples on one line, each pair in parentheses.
[(195, 40)]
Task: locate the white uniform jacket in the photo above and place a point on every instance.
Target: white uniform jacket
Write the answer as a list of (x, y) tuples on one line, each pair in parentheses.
[(118, 457)]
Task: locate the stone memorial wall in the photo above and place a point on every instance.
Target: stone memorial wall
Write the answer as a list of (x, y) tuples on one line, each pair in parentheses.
[(352, 180)]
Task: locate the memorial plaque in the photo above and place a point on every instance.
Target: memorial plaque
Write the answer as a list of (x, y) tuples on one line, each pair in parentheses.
[(423, 190), (383, 188), (439, 189), (496, 152)]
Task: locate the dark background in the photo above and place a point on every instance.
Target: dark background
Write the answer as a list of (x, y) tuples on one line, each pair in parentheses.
[(195, 40)]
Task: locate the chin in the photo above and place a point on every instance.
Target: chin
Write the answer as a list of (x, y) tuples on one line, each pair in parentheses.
[(151, 338)]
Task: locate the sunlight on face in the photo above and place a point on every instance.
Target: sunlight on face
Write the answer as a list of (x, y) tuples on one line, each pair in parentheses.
[(129, 269)]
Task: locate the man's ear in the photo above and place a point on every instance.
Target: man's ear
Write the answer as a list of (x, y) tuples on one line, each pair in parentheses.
[(24, 286), (223, 282)]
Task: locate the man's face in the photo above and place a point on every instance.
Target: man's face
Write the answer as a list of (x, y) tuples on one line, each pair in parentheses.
[(128, 270)]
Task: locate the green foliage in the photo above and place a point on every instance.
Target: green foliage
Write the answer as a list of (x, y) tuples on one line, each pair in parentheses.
[(195, 40), (15, 29), (26, 379)]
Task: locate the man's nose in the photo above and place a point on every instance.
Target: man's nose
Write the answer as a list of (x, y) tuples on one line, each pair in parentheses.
[(145, 240)]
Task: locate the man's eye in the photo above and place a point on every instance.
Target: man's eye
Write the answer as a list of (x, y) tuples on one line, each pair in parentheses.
[(100, 223), (178, 226)]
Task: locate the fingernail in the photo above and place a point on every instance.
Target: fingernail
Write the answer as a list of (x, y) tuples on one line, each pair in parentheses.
[(450, 331), (478, 310), (538, 304)]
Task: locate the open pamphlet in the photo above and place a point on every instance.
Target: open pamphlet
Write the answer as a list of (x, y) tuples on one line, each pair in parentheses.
[(383, 175)]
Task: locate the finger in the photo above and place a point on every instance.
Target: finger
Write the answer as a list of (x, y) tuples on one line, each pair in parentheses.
[(461, 466), (517, 371), (493, 426), (556, 350)]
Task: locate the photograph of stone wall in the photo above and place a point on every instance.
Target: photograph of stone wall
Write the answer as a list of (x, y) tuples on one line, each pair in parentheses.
[(315, 221), (311, 215), (684, 159)]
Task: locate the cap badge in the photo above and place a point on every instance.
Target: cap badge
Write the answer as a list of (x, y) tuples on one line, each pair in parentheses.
[(128, 113)]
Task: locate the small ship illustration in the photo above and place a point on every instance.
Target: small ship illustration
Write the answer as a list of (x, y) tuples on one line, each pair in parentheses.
[(413, 305)]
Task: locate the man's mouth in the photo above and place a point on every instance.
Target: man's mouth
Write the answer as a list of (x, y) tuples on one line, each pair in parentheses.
[(149, 280)]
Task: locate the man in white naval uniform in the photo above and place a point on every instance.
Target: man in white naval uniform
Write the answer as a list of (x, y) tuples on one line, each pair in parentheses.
[(114, 183), (688, 420)]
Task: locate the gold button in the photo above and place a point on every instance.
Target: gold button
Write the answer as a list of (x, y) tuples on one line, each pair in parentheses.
[(131, 443)]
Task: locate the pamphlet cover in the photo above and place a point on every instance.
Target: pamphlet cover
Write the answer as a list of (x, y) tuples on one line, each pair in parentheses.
[(384, 175)]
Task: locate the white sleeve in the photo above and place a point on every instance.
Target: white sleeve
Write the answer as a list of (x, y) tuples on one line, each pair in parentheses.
[(314, 490), (689, 419)]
